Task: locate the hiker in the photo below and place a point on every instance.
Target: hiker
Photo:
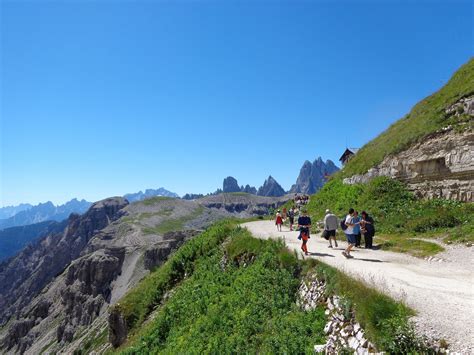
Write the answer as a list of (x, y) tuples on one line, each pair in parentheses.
[(356, 221), (368, 228), (330, 227), (291, 217), (348, 227), (304, 223), (278, 220)]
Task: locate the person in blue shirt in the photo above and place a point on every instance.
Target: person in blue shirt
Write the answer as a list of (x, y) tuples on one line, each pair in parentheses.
[(356, 232)]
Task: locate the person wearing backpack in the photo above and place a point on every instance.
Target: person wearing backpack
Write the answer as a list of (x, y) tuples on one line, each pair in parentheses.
[(357, 232), (291, 217), (349, 231), (330, 227), (304, 224), (368, 229)]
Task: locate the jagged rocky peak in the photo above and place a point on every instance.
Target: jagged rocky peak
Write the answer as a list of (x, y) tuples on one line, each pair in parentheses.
[(249, 189), (271, 188), (313, 176), (230, 184)]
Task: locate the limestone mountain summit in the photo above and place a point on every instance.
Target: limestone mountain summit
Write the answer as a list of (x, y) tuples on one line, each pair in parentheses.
[(271, 188), (313, 176)]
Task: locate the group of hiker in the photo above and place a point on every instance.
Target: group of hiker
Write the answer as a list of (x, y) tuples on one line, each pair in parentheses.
[(353, 226), (300, 200)]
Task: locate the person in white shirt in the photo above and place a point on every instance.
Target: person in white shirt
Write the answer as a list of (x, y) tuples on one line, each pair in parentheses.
[(349, 231), (330, 227)]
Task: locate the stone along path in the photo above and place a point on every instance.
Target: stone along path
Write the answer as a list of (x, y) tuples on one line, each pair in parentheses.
[(441, 291)]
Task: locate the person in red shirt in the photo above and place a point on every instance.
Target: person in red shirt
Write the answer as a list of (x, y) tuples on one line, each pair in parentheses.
[(278, 220)]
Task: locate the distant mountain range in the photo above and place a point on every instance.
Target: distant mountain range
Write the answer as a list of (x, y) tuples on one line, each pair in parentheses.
[(25, 213), (133, 197), (45, 212), (10, 211), (13, 239)]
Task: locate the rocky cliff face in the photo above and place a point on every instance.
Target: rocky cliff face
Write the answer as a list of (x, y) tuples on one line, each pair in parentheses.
[(271, 188), (23, 277), (55, 294), (230, 185), (441, 165), (313, 176)]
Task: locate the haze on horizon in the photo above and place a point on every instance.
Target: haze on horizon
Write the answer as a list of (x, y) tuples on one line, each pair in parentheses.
[(100, 99)]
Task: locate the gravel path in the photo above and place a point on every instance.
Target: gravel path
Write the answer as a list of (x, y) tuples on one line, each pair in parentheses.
[(440, 290)]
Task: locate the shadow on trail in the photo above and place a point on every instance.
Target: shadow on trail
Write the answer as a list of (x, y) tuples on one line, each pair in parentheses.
[(370, 260), (321, 254)]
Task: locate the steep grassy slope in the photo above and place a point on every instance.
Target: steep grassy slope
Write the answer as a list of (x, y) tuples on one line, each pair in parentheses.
[(426, 117), (398, 214), (226, 292)]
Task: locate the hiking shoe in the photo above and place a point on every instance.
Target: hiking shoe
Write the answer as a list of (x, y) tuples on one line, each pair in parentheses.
[(329, 246), (345, 254)]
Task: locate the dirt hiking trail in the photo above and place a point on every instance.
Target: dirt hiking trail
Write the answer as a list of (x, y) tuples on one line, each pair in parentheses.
[(441, 291)]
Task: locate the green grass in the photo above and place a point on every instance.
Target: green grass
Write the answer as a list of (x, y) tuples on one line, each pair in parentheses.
[(154, 200), (242, 309), (426, 117), (139, 302), (174, 224), (404, 244), (399, 216), (248, 303)]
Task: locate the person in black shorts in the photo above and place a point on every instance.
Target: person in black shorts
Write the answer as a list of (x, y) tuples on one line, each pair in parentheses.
[(304, 224), (330, 227)]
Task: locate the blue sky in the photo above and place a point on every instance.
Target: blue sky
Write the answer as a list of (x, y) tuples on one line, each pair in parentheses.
[(101, 98)]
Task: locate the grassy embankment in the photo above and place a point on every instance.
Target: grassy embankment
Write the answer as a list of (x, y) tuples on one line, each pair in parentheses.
[(426, 117), (225, 291), (401, 219)]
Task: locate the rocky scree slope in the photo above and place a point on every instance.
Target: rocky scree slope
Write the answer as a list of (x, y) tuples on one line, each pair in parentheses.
[(55, 294)]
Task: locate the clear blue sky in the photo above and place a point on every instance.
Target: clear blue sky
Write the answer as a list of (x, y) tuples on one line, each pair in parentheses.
[(101, 98)]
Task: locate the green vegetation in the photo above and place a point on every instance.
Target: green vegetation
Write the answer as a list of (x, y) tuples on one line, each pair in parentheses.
[(426, 117), (227, 292), (154, 200), (175, 224), (141, 300), (385, 321), (399, 216)]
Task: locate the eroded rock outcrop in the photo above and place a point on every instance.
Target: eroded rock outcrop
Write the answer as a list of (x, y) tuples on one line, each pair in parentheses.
[(25, 275), (441, 165)]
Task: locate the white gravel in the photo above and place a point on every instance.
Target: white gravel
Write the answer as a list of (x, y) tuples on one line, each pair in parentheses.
[(441, 290)]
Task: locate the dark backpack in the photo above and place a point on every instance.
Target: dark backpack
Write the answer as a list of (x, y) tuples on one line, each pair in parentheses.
[(343, 224)]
